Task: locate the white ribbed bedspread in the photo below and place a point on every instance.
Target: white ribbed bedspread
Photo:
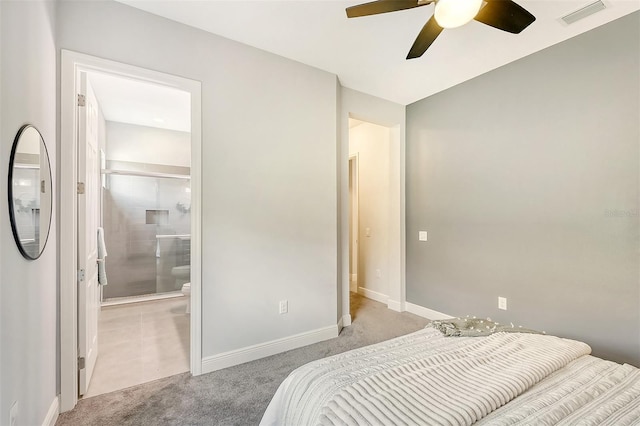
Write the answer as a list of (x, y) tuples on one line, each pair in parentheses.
[(588, 391), (419, 379)]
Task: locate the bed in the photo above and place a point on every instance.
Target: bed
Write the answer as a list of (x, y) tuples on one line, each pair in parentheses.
[(427, 378)]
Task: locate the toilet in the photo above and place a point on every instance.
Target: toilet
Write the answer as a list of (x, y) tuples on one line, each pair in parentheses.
[(186, 290), (182, 274)]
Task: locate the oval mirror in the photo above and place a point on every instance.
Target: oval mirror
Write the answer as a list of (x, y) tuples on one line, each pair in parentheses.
[(30, 197)]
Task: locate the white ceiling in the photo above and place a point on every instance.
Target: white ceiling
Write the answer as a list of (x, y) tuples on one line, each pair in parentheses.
[(368, 53), (124, 100)]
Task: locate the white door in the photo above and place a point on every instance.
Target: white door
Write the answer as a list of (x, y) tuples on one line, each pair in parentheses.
[(88, 176)]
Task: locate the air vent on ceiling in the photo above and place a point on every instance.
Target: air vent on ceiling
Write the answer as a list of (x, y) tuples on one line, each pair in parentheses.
[(583, 12)]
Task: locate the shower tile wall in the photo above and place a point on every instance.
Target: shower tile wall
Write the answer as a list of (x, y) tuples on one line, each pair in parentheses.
[(26, 206), (138, 263)]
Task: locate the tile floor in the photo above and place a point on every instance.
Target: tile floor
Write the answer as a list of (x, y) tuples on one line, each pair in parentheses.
[(140, 342)]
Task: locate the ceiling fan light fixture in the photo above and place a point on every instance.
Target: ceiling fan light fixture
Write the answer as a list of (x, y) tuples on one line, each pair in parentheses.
[(455, 13)]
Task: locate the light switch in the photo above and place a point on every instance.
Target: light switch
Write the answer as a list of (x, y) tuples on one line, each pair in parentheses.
[(502, 303), (367, 232), (422, 235)]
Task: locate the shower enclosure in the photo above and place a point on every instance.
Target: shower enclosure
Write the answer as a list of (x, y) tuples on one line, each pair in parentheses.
[(147, 224), (26, 192)]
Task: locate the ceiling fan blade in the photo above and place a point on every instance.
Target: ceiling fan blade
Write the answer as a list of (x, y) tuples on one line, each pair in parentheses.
[(427, 35), (505, 15), (384, 6)]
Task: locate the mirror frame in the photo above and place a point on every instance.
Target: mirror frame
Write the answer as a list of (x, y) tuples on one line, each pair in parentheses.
[(12, 217)]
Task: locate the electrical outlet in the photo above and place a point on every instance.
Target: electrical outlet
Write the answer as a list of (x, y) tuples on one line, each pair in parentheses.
[(378, 273), (13, 414), (502, 303), (422, 235), (284, 306)]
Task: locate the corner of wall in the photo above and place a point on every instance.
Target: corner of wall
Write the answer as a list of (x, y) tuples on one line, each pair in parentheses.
[(340, 264), (426, 312), (52, 414), (2, 211)]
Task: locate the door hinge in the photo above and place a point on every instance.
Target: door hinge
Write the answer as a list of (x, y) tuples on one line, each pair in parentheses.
[(82, 100), (80, 275), (81, 363), (80, 187)]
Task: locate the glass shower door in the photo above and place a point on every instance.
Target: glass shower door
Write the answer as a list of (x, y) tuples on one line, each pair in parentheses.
[(147, 220)]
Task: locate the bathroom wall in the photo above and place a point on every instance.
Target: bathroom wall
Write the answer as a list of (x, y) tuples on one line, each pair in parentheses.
[(138, 209), (142, 144), (25, 196)]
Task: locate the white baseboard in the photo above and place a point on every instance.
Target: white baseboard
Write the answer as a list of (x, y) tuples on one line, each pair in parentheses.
[(394, 305), (345, 321), (370, 294), (425, 312), (251, 353), (52, 414)]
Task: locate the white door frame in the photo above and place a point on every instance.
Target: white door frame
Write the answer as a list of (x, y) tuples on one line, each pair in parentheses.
[(72, 64), (354, 218), (397, 220)]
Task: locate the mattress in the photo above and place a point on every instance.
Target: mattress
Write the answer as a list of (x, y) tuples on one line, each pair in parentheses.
[(425, 378)]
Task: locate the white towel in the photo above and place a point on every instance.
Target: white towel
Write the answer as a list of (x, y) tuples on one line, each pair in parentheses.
[(102, 253)]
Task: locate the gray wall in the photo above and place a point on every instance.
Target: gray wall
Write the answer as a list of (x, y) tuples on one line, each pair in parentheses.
[(269, 169), (28, 306), (527, 180)]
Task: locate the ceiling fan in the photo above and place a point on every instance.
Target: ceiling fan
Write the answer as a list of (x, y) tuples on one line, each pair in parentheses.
[(504, 15)]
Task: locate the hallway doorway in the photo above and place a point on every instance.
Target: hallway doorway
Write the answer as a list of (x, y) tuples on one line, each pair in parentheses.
[(369, 210)]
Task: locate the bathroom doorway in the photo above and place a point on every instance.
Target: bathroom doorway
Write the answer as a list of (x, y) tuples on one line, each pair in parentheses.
[(145, 187), (137, 171), (137, 141)]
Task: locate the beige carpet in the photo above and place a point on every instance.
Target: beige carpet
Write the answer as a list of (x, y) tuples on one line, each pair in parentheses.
[(237, 395)]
